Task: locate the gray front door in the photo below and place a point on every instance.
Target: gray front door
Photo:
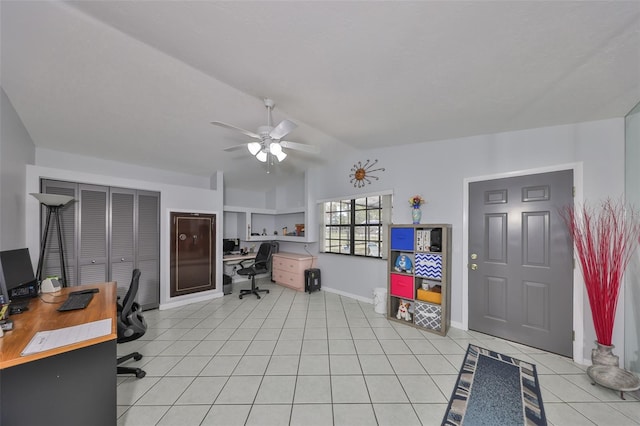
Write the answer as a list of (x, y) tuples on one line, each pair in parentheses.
[(521, 260)]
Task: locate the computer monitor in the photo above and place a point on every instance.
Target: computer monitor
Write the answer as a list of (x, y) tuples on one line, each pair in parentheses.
[(230, 245), (16, 274)]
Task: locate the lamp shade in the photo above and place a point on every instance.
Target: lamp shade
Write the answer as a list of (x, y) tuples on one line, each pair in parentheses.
[(281, 156), (262, 156), (254, 147), (275, 148), (52, 200)]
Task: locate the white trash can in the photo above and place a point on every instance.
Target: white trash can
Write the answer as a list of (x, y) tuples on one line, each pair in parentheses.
[(380, 300)]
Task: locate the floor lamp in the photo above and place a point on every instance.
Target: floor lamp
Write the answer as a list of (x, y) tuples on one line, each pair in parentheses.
[(53, 203)]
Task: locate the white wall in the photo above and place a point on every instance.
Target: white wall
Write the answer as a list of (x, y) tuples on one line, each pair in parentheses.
[(437, 170), (632, 277), (245, 198), (16, 151), (172, 198), (80, 163)]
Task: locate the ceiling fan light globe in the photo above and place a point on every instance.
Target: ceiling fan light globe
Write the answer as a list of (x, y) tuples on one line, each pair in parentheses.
[(254, 147), (280, 155), (262, 156), (275, 148)]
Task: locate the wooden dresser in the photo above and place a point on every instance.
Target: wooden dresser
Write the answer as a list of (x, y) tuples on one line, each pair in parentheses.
[(288, 269)]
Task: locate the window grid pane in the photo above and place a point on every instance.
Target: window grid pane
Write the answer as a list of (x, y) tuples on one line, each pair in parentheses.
[(354, 227)]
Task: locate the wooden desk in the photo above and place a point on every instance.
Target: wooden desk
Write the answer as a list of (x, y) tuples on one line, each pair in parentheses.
[(238, 257), (71, 385)]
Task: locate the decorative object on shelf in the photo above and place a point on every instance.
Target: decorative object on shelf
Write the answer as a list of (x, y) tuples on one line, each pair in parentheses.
[(361, 173), (416, 214), (403, 311), (605, 238), (403, 264)]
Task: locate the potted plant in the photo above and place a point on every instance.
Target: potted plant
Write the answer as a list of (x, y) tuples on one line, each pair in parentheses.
[(605, 238)]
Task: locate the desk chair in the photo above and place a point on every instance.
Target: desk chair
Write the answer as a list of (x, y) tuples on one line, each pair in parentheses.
[(131, 325), (260, 265)]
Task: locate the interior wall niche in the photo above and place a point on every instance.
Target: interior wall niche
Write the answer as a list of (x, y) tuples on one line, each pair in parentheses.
[(107, 232)]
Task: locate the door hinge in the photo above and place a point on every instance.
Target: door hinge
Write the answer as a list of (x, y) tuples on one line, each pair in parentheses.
[(573, 335), (573, 192)]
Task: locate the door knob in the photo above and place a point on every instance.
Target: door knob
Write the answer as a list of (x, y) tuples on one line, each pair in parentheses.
[(473, 266), (474, 256)]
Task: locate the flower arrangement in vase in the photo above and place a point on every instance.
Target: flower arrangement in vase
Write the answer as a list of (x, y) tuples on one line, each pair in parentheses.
[(605, 239), (415, 202)]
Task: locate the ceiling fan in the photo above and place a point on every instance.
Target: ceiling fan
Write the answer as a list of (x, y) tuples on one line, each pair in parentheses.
[(269, 144)]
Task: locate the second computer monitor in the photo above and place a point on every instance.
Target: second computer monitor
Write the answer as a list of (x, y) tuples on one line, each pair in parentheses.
[(230, 245)]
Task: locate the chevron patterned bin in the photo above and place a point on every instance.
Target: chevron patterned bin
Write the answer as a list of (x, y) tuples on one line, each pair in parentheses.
[(428, 315), (428, 265)]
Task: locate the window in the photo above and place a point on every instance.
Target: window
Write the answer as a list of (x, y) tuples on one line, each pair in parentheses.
[(355, 226)]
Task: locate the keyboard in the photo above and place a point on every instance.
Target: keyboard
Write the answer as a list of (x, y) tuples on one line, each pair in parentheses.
[(76, 301)]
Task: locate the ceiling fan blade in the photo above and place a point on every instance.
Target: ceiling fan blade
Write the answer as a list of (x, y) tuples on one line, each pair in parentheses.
[(236, 147), (300, 147), (230, 126), (282, 129)]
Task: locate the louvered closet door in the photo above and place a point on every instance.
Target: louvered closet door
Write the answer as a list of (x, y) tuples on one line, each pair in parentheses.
[(148, 245), (51, 264), (93, 254), (122, 253)]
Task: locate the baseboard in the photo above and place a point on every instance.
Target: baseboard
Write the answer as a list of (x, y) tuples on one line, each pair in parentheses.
[(349, 295), (189, 299), (458, 325)]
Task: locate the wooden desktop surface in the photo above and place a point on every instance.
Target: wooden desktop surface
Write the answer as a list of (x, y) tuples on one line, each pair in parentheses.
[(238, 257), (43, 315)]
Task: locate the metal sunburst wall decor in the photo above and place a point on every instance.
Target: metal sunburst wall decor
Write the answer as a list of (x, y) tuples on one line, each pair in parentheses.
[(361, 174)]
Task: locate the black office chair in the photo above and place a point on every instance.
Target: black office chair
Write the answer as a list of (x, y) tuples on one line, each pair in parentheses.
[(260, 265), (131, 325)]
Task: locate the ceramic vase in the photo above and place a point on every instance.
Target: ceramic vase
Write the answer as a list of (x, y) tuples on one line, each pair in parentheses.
[(416, 215), (603, 355)]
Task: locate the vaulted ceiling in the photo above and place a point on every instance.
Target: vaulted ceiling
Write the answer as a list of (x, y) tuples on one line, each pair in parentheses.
[(140, 81)]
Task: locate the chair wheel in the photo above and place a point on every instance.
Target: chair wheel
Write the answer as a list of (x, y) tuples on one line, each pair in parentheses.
[(137, 357), (140, 374), (267, 291), (258, 296), (240, 296)]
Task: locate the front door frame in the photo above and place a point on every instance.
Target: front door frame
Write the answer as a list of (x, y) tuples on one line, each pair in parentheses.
[(578, 296)]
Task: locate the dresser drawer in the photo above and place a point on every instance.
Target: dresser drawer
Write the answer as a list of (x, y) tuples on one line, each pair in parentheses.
[(288, 269), (289, 279), (290, 265), (402, 286)]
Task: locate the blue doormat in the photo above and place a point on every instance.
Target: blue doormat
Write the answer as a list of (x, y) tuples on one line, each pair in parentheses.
[(495, 389)]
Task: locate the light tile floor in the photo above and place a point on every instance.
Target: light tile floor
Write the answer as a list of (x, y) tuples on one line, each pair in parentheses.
[(294, 358)]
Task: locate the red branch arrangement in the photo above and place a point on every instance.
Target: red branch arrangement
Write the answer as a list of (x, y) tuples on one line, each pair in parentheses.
[(605, 239)]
